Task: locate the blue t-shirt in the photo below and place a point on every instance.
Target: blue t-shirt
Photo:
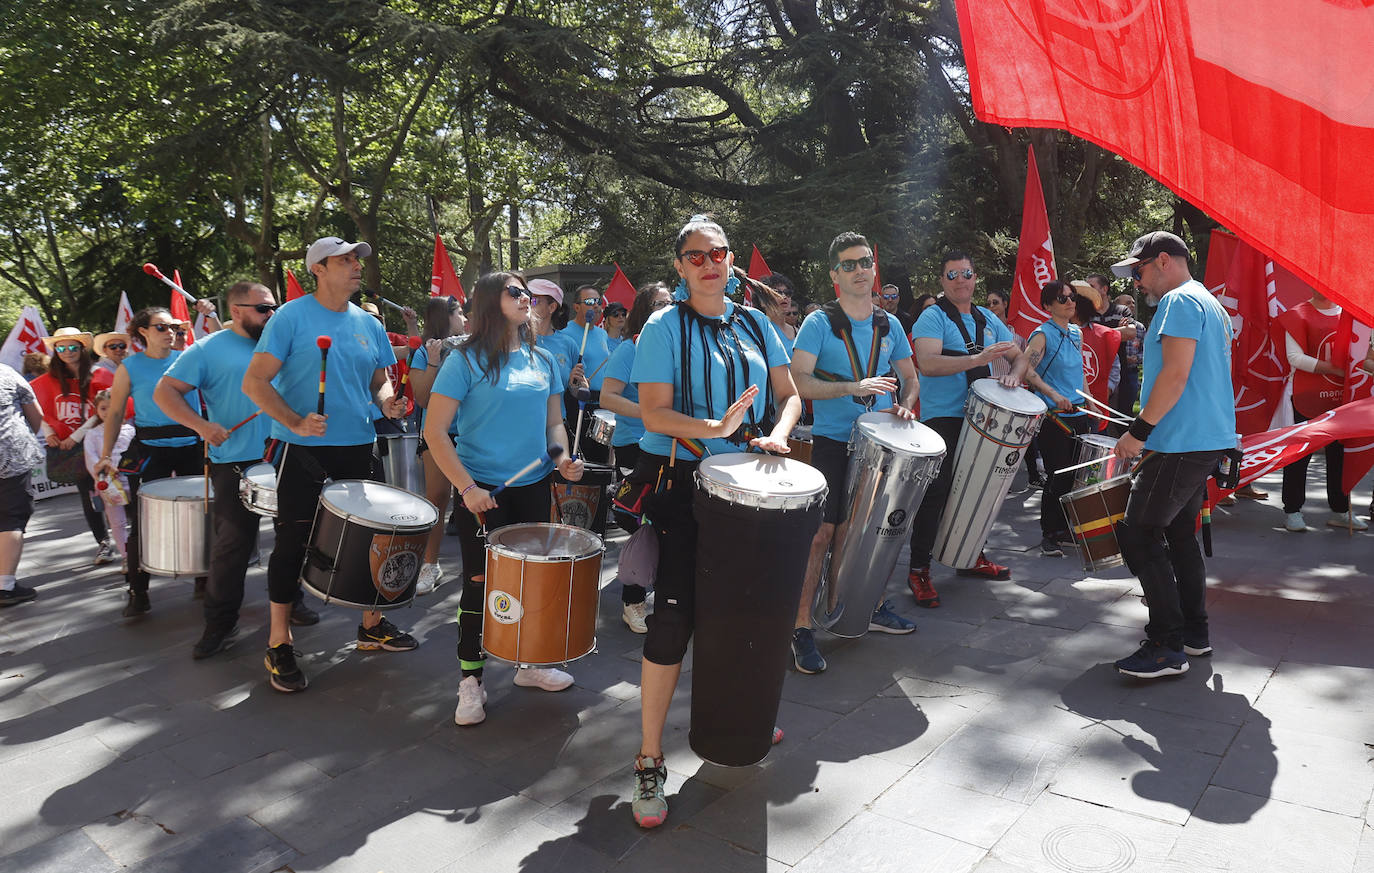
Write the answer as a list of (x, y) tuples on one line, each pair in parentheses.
[(421, 362), (627, 430), (943, 396), (143, 375), (1062, 365), (612, 343), (596, 354), (564, 351), (501, 426), (658, 358), (834, 416), (360, 347), (1204, 418), (215, 366)]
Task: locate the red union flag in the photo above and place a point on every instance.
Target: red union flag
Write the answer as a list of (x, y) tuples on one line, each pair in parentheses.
[(758, 267), (1100, 345), (1034, 257), (1351, 349), (26, 336), (1263, 453), (293, 287), (443, 280), (1260, 113)]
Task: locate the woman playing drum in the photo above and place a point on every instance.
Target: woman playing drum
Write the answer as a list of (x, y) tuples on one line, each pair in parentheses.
[(706, 370), (506, 396), (165, 447)]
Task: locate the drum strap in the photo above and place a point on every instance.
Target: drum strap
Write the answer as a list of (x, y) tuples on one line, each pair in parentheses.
[(839, 325), (720, 334), (972, 346)]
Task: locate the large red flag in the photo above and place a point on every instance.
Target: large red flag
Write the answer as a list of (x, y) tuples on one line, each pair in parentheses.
[(1034, 257), (1227, 104), (1258, 365), (178, 307), (443, 280), (1263, 453), (621, 290), (293, 287)]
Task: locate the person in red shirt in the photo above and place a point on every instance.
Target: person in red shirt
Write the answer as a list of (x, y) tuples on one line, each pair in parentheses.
[(66, 393)]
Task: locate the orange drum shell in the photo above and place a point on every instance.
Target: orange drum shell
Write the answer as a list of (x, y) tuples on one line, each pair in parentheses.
[(556, 620)]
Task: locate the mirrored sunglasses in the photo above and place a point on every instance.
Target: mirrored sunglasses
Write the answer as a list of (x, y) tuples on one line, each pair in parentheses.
[(951, 275), (698, 257)]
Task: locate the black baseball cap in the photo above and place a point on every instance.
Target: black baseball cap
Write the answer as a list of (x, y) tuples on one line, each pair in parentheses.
[(615, 309), (1146, 247)]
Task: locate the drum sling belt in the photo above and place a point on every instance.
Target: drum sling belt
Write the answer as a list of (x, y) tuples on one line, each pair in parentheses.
[(839, 325), (971, 346), (710, 330)]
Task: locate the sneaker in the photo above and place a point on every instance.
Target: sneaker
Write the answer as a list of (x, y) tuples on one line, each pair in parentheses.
[(302, 615), (1050, 549), (213, 641), (430, 574), (547, 678), (922, 589), (385, 635), (885, 621), (138, 605), (649, 806), (986, 570), (282, 672), (1152, 661), (472, 697), (1295, 522), (105, 553), (1065, 539), (777, 735), (633, 614), (1346, 521), (805, 655), (1198, 648), (17, 594)]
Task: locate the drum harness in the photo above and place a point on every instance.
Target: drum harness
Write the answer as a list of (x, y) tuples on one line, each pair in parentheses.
[(754, 427), (971, 346), (839, 326)]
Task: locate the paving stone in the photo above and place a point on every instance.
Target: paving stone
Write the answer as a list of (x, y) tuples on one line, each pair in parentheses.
[(1318, 772), (1020, 639), (1057, 834), (239, 791), (1364, 856), (686, 848), (532, 848), (979, 669), (72, 852), (1275, 836), (961, 813), (238, 845), (1039, 608), (1333, 701), (895, 729), (865, 843), (996, 763), (1033, 708)]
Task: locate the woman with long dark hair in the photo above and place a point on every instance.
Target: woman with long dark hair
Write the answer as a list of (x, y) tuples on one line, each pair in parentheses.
[(505, 396), (161, 447), (66, 394)]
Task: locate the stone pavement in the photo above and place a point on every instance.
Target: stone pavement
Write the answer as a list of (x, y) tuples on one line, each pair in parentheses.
[(996, 739)]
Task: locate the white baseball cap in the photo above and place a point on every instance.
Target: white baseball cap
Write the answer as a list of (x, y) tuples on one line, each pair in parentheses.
[(329, 246)]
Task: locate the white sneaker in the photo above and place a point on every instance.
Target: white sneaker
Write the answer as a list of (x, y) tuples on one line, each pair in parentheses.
[(1346, 522), (1294, 522), (105, 553), (547, 678), (430, 574), (633, 614), (471, 698)]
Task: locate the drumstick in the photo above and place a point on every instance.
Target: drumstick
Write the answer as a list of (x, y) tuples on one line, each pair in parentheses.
[(1113, 419), (1091, 399), (245, 421), (152, 270), (414, 343), (597, 370), (583, 395), (1081, 466), (324, 343), (586, 326), (555, 451)]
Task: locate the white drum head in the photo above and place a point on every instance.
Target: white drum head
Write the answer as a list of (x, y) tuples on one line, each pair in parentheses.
[(542, 542), (764, 475), (1014, 399), (1099, 440), (905, 437), (176, 488), (262, 475), (605, 415), (378, 503)]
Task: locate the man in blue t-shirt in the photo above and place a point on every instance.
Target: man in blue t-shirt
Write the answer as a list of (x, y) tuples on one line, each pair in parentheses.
[(844, 376), (214, 366), (586, 311), (1187, 422), (949, 355), (284, 380)]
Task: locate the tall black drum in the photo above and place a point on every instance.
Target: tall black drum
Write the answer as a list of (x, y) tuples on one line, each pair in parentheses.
[(583, 503), (756, 515)]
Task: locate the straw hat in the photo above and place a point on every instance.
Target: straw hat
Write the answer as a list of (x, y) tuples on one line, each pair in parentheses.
[(68, 333), (103, 338)]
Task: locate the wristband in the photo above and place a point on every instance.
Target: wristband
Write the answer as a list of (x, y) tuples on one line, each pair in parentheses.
[(466, 490), (1140, 429)]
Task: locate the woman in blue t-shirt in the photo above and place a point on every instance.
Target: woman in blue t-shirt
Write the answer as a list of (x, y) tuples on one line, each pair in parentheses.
[(161, 447), (505, 396)]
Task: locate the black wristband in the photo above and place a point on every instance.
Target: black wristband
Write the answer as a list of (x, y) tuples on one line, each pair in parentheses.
[(1140, 429)]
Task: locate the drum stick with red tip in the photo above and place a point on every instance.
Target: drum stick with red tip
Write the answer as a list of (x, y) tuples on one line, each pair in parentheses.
[(583, 395), (152, 270), (414, 343), (245, 421), (555, 452), (324, 343)]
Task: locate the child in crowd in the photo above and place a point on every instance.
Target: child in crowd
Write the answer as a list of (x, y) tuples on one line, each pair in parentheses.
[(115, 494)]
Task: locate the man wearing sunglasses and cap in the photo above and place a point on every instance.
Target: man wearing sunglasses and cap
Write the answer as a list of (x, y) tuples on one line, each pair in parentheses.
[(1187, 422), (586, 310), (284, 380)]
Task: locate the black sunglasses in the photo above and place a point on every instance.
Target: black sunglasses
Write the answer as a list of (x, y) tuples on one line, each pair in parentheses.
[(517, 291), (951, 275), (119, 347), (698, 257), (1063, 298), (1135, 268), (262, 308), (163, 328), (849, 265)]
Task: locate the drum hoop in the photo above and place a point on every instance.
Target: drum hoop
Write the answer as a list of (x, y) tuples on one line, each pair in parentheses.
[(1102, 486), (509, 552), (373, 524), (758, 500), (859, 436)]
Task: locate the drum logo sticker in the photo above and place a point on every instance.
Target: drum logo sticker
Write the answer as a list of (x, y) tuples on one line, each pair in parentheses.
[(504, 608), (577, 505), (896, 524), (395, 562)]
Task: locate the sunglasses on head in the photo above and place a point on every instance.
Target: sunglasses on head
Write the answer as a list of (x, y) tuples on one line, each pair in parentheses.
[(698, 257), (118, 347), (951, 275), (849, 265), (66, 348), (517, 291), (261, 308)]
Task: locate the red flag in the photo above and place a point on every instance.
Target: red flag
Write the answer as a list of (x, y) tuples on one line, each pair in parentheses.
[(26, 336), (178, 307), (293, 287), (1225, 104), (1351, 348), (1263, 453), (1100, 345), (1034, 256), (443, 280), (1258, 365), (621, 290), (877, 275), (758, 267)]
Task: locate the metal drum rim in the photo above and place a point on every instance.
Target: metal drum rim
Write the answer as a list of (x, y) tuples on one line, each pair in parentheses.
[(372, 523), (509, 552)]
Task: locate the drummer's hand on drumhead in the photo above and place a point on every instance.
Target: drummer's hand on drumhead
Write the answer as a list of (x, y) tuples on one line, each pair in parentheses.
[(1127, 447), (875, 385), (1009, 381), (734, 415), (571, 468), (901, 412), (770, 444), (212, 433), (311, 425), (478, 500)]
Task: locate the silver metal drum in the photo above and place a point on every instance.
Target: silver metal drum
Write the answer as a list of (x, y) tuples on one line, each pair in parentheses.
[(258, 490), (173, 522), (891, 463), (1096, 447), (602, 426), (999, 422), (401, 467)]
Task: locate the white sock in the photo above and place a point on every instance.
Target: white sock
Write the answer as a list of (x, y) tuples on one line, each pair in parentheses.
[(7, 583)]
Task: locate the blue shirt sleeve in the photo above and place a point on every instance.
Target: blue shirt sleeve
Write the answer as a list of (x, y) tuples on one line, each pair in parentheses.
[(774, 350), (621, 363), (656, 358), (812, 333), (931, 325), (1180, 316)]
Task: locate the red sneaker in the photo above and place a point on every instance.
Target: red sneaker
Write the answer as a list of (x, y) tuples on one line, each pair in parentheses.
[(986, 570), (921, 589)]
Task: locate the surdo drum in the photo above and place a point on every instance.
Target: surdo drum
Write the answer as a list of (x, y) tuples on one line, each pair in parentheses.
[(1093, 512), (173, 521)]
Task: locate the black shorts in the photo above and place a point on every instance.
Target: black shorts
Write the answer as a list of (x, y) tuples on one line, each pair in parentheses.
[(831, 457), (16, 503)]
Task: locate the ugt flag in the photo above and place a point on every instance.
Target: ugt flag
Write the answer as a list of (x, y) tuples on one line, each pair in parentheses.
[(26, 336), (1034, 257)]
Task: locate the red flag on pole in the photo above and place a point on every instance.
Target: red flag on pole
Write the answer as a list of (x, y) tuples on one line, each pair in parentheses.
[(877, 274), (1264, 453), (178, 307), (293, 287), (443, 281), (758, 267), (621, 290), (26, 336), (1247, 290), (124, 314), (1034, 256), (1225, 104)]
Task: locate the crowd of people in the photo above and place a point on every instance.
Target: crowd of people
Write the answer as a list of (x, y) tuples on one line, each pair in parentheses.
[(515, 374)]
